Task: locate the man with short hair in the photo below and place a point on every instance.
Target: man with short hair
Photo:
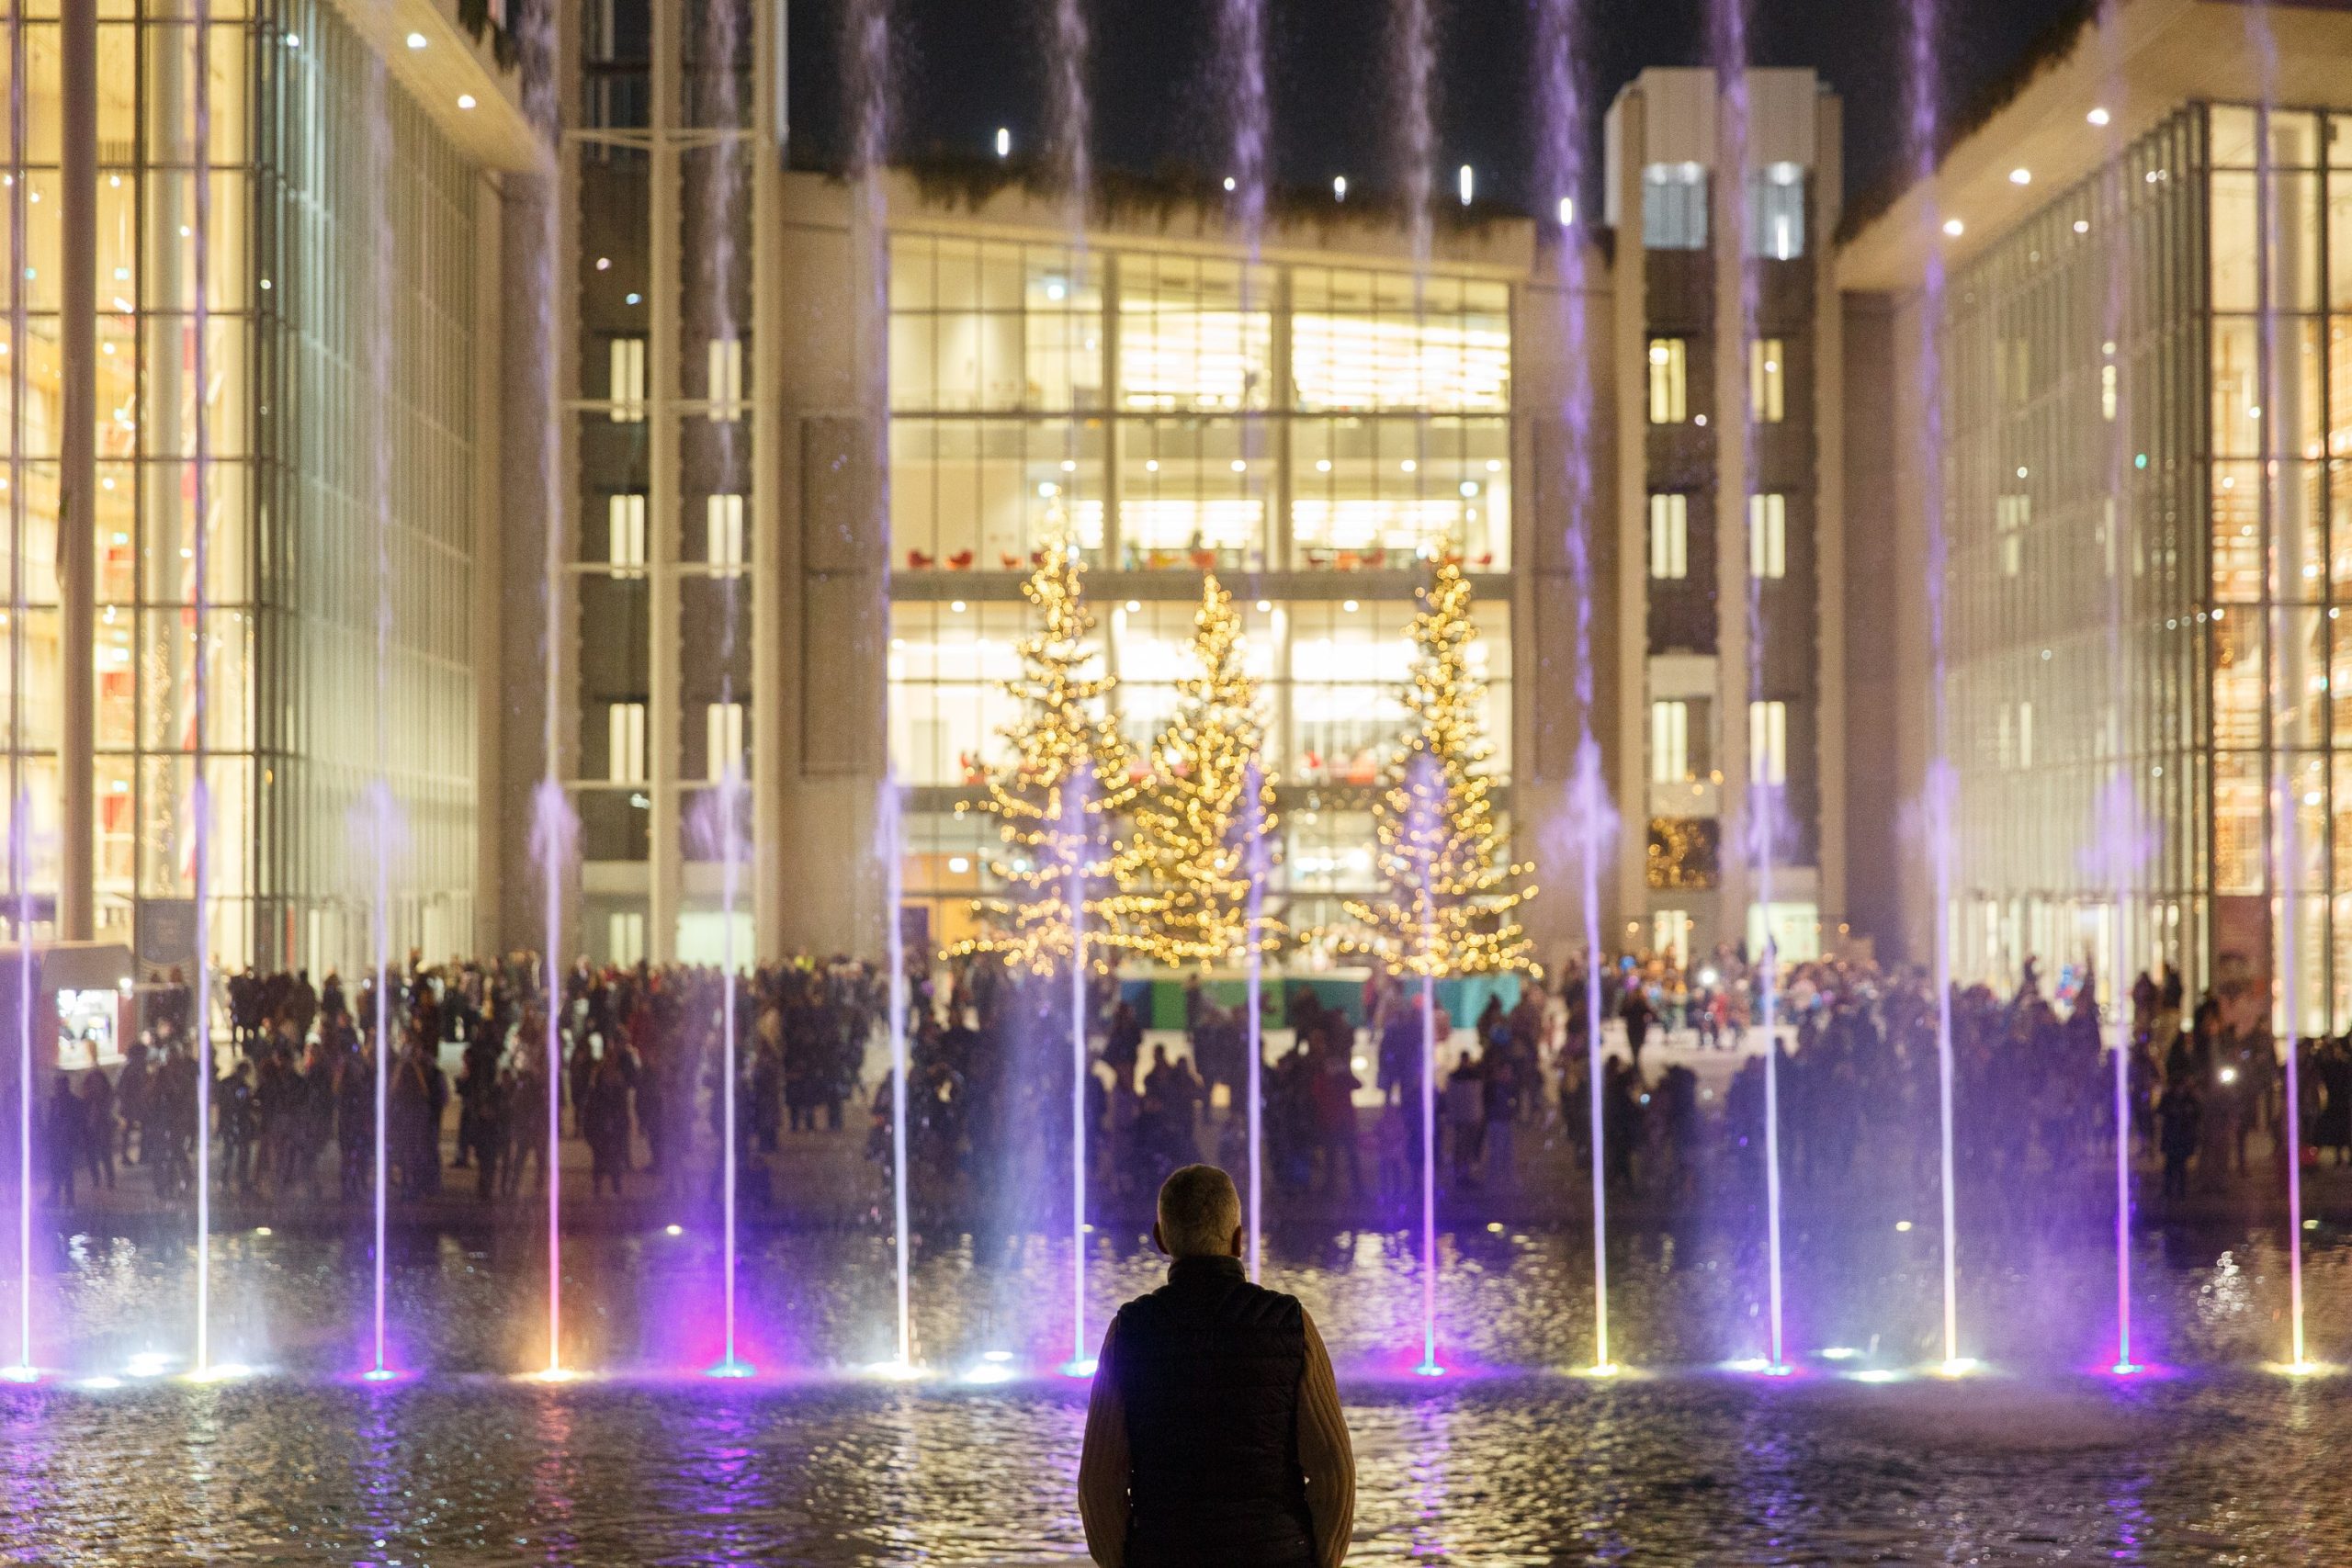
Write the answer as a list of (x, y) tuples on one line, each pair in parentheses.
[(1214, 1435)]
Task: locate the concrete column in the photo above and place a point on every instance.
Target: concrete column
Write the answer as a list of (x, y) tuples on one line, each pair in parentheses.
[(492, 857), (665, 872), (766, 393), (1829, 512), (78, 477), (1629, 334), (1735, 634)]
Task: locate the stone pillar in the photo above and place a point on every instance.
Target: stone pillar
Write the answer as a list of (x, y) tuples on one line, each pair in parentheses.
[(78, 477)]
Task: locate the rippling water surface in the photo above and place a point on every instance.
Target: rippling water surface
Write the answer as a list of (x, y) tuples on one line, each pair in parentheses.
[(1511, 1460)]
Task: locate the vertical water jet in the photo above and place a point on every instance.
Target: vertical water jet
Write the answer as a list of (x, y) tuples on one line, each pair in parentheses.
[(1560, 117)]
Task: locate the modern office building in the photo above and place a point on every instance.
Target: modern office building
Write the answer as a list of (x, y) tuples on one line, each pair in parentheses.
[(2141, 358), (1730, 691), (818, 445), (153, 429)]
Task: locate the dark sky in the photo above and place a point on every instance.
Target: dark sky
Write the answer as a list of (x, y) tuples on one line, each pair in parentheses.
[(967, 66)]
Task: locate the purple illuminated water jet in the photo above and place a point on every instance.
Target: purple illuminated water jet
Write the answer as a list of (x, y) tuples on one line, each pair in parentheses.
[(19, 797), (1081, 1364), (1590, 819), (2283, 657), (554, 827), (1941, 783), (1761, 818), (379, 794), (866, 51), (1254, 858), (1242, 67), (889, 846), (199, 804), (722, 200)]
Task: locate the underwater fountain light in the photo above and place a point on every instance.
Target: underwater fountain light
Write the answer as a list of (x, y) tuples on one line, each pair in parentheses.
[(1878, 1374), (219, 1371), (379, 1374), (730, 1367), (986, 1372), (1079, 1367), (100, 1383), (1840, 1353), (20, 1375), (1959, 1367), (150, 1364)]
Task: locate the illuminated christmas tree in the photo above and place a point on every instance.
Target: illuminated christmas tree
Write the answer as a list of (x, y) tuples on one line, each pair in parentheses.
[(1058, 797), (1207, 818), (1448, 896)]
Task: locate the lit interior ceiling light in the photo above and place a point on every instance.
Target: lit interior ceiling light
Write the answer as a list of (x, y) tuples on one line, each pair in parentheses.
[(1339, 188), (2097, 116), (2020, 177), (1568, 212), (465, 100), (416, 40), (1004, 141), (1954, 227), (2082, 225)]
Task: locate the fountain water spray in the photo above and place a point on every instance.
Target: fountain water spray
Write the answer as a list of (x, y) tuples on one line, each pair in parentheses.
[(1074, 829), (2284, 656), (889, 846), (722, 200), (1254, 857), (867, 47), (1561, 123), (554, 827), (1425, 790), (1242, 58), (19, 797), (2116, 827), (1942, 783), (200, 802), (1763, 810), (380, 849)]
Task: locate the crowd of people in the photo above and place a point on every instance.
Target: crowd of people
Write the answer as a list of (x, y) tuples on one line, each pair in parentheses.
[(297, 1066), (295, 1114)]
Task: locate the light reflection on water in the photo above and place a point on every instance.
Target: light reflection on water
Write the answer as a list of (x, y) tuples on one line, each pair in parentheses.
[(1517, 1463)]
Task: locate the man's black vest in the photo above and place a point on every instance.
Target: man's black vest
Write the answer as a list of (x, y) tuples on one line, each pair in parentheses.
[(1209, 1366)]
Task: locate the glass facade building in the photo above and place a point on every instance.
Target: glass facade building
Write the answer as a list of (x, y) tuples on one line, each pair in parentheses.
[(1310, 433), (285, 723), (2149, 496)]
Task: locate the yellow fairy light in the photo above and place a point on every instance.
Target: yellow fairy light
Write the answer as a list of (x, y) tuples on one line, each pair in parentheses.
[(1195, 831), (1065, 784), (1447, 903)]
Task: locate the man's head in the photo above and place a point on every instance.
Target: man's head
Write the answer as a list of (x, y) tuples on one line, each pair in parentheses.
[(1200, 1214)]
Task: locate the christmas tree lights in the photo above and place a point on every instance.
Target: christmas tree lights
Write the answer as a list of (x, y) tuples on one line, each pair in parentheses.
[(1196, 837), (1447, 900), (1058, 797)]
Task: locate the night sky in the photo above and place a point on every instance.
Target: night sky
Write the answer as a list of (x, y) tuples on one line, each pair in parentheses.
[(966, 66)]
